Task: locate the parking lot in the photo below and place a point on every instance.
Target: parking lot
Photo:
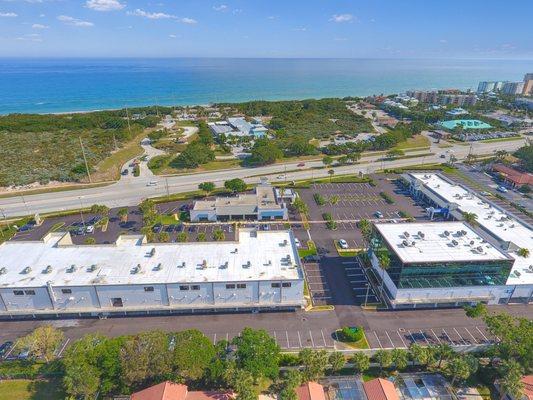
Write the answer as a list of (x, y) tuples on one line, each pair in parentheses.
[(452, 335)]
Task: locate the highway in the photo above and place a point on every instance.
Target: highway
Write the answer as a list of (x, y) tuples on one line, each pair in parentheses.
[(131, 191)]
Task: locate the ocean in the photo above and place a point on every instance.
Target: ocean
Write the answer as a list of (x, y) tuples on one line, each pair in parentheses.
[(68, 85)]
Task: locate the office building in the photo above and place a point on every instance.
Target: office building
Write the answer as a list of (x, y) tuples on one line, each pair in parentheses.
[(265, 203), (54, 277), (528, 85), (513, 88), (237, 126)]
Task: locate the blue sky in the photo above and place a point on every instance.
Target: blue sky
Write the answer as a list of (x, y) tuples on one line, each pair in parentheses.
[(266, 28)]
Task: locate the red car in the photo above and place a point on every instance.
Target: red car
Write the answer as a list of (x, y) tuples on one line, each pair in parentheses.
[(301, 164)]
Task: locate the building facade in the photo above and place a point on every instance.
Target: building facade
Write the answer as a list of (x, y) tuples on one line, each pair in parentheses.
[(54, 277)]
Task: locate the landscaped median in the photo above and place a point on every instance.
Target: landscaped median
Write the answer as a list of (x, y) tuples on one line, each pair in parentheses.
[(350, 252), (353, 337)]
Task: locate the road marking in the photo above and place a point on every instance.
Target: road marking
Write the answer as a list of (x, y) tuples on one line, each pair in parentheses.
[(424, 336), (215, 338), (379, 342), (227, 337), (487, 340), (312, 341), (436, 337), (412, 337), (323, 338), (448, 336), (464, 341), (390, 340), (349, 262), (401, 338), (288, 343), (63, 348), (472, 336), (275, 337)]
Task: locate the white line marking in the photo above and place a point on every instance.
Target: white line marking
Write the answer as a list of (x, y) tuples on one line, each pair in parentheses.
[(312, 341), (215, 338), (448, 336), (227, 337), (486, 340), (424, 336), (436, 337), (472, 336), (299, 339), (275, 337), (390, 340), (379, 342), (464, 341), (63, 348), (288, 343), (412, 337), (323, 338), (401, 338)]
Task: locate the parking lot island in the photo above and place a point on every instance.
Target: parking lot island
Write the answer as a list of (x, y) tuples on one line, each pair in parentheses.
[(54, 277)]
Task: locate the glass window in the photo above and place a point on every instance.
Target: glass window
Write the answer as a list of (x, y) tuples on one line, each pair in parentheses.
[(18, 292), (241, 285), (66, 291), (286, 284), (275, 285), (230, 286), (184, 287), (148, 288), (30, 292), (195, 287)]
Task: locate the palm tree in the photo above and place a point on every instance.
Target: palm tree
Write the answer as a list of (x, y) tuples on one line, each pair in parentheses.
[(500, 154), (470, 218), (123, 214), (331, 172), (511, 381), (523, 252), (384, 262), (333, 200), (442, 352)]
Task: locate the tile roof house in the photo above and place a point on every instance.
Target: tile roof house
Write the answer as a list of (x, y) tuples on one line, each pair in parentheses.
[(310, 391), (174, 391), (512, 176), (380, 389), (528, 387)]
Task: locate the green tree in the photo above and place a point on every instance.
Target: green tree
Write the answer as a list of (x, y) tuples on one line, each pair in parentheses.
[(207, 187), (400, 358), (354, 157), (421, 355), (182, 237), (42, 342), (333, 200), (383, 358), (235, 185), (327, 160), (81, 380), (242, 381), (291, 380), (301, 206), (123, 214), (164, 237), (510, 382), (461, 367), (219, 235), (314, 364), (470, 218), (523, 252), (193, 353), (475, 311), (442, 352), (395, 153), (500, 154), (90, 240), (366, 228), (264, 152), (194, 155), (257, 353), (361, 362), (101, 210), (201, 237), (384, 263), (336, 361)]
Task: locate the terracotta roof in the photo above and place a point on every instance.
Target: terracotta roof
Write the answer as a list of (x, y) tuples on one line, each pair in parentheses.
[(163, 391), (513, 175), (174, 391), (380, 389), (310, 391), (528, 386)]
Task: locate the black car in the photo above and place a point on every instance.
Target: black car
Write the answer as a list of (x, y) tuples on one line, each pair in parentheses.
[(157, 228), (93, 220), (25, 228), (169, 228), (192, 229), (125, 172), (311, 258), (4, 348), (179, 228)]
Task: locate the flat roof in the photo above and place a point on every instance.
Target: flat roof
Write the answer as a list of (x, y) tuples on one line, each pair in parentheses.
[(437, 241), (247, 203), (466, 123), (499, 223), (266, 251)]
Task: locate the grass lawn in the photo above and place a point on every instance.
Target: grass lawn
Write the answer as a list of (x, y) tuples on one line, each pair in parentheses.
[(166, 219), (417, 141), (210, 166), (109, 169), (361, 344), (501, 139), (25, 389), (54, 189)]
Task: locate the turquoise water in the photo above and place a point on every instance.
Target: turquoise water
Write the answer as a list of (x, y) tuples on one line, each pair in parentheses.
[(466, 123), (60, 85)]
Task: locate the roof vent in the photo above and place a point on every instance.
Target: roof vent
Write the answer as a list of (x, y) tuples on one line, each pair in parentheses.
[(47, 270), (248, 264), (3, 271), (204, 264), (92, 268), (71, 269), (152, 252), (182, 265), (455, 242), (405, 243), (472, 243), (137, 269), (480, 249), (285, 242), (421, 234), (26, 270), (413, 243), (158, 267), (406, 234), (446, 233), (225, 265)]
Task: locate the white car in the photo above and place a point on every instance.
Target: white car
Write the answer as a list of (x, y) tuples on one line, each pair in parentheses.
[(343, 244), (151, 183), (297, 241), (89, 229)]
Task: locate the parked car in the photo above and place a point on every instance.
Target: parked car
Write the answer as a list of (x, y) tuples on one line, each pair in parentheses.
[(157, 228), (125, 172), (152, 183), (378, 214), (25, 228), (179, 228), (192, 228), (502, 189), (343, 244), (93, 220), (90, 229), (442, 156), (4, 348), (311, 258), (301, 164), (80, 230), (297, 241), (24, 354), (170, 228)]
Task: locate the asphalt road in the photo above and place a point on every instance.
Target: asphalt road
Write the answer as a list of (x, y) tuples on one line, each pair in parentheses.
[(128, 192)]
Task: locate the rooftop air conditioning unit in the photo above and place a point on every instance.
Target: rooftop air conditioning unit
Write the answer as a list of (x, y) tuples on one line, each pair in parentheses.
[(480, 249), (248, 264), (405, 243), (71, 269), (446, 233), (406, 234), (48, 269), (92, 268), (26, 270), (137, 269), (463, 232), (413, 243), (204, 264), (421, 234), (455, 242), (158, 267), (3, 271), (152, 252), (472, 243)]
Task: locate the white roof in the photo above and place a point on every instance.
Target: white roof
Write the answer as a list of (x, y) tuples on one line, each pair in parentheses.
[(493, 219), (266, 251), (428, 242)]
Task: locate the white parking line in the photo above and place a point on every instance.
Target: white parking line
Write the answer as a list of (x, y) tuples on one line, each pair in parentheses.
[(448, 336), (299, 339), (379, 342), (401, 338), (312, 341), (215, 338), (472, 336), (412, 337), (484, 337), (390, 340), (424, 336), (323, 338), (63, 348), (287, 336), (436, 337), (464, 341)]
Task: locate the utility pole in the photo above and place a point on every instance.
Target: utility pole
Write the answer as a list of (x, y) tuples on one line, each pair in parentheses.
[(2, 227), (25, 204), (366, 295), (85, 159), (128, 119), (81, 212), (166, 184)]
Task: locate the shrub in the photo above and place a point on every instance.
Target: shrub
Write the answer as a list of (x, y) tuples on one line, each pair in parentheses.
[(319, 199), (350, 334), (387, 198), (327, 217), (331, 225)]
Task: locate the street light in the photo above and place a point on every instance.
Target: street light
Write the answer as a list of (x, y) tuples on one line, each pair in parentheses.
[(81, 212)]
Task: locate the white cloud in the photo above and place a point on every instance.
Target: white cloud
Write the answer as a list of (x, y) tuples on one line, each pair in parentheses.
[(39, 26), (104, 5), (340, 39), (31, 37), (237, 11), (8, 15), (159, 15), (300, 29), (443, 41), (272, 17), (172, 36), (342, 18), (221, 7), (74, 21)]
